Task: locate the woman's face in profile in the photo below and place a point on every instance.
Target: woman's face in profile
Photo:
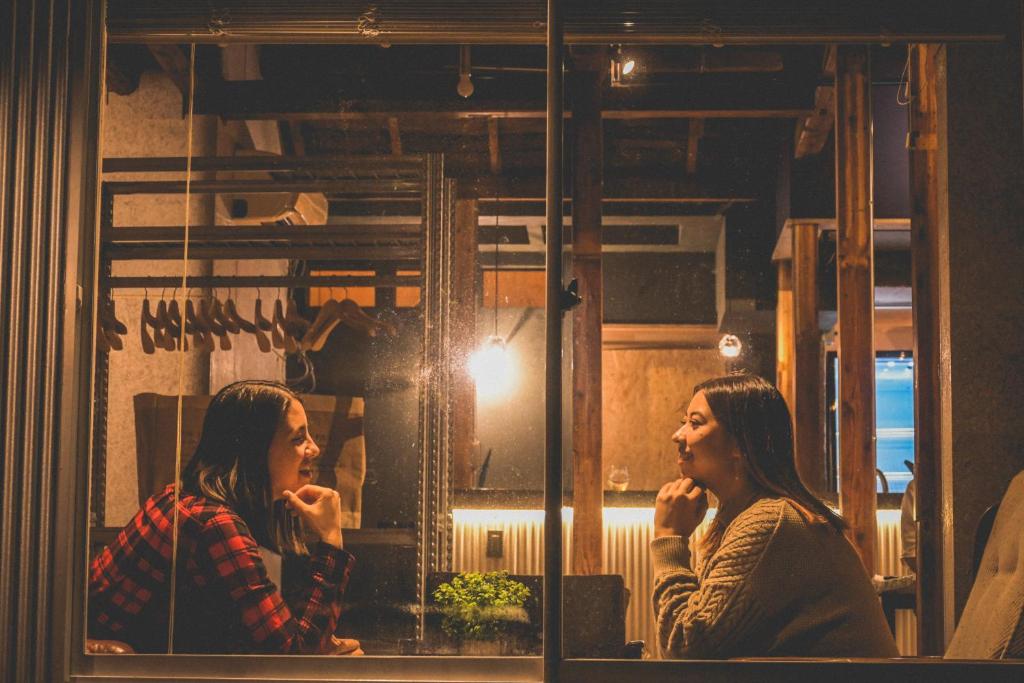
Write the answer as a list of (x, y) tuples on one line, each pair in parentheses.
[(706, 451), (292, 452)]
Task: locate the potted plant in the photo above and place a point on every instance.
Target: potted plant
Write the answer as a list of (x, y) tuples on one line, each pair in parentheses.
[(478, 610)]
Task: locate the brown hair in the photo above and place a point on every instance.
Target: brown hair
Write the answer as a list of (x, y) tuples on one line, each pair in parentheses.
[(754, 413), (229, 465)]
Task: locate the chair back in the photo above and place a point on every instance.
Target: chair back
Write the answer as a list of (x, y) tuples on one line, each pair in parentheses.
[(992, 625)]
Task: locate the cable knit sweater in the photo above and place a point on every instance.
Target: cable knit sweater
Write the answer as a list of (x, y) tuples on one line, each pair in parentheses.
[(776, 587)]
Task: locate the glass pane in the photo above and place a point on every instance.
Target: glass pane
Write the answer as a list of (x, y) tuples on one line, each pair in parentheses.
[(361, 266), (704, 274)]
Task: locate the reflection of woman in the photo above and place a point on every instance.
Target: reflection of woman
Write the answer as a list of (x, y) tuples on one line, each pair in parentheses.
[(776, 576), (253, 463)]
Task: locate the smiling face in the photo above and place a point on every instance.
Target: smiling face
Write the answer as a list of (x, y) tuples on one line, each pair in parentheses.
[(292, 452), (707, 452)]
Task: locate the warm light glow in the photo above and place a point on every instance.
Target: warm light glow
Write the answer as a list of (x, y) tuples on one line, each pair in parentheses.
[(493, 369), (465, 87), (730, 346), (627, 66)]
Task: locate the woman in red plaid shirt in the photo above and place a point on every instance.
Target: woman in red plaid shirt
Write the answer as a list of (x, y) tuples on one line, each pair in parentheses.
[(248, 484)]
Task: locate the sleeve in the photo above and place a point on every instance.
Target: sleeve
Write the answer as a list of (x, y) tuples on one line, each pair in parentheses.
[(273, 625), (705, 619)]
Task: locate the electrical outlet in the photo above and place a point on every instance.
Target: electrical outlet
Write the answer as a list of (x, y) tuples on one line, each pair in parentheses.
[(495, 543)]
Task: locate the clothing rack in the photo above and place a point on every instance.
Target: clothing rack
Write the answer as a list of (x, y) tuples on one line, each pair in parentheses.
[(416, 179)]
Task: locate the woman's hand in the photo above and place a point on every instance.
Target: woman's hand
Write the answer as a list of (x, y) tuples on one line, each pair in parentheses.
[(679, 508), (321, 509), (345, 647)]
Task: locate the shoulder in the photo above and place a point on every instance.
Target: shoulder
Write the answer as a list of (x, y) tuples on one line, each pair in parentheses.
[(764, 516)]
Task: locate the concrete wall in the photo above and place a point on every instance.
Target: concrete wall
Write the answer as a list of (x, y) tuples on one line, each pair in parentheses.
[(147, 123)]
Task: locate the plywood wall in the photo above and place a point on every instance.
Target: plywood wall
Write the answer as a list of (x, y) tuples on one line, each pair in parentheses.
[(644, 395)]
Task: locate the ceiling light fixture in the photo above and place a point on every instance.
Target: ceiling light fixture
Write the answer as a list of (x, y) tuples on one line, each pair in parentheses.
[(465, 87), (730, 346), (622, 66)]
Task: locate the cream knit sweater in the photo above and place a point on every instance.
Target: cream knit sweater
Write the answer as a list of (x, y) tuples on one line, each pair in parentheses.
[(776, 587)]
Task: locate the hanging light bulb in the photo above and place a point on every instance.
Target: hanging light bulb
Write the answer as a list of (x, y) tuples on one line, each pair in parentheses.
[(492, 369), (465, 87), (730, 346), (492, 366)]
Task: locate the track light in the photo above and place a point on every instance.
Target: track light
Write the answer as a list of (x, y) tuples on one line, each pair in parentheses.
[(623, 66)]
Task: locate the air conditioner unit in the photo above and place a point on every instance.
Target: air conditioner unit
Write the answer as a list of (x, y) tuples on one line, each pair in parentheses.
[(272, 208)]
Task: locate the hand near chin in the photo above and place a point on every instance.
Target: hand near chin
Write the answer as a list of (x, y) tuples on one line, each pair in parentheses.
[(320, 508), (679, 508)]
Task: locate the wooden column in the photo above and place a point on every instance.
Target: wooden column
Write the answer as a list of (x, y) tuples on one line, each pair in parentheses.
[(924, 254), (587, 175), (808, 389), (857, 498), (464, 281), (784, 341)]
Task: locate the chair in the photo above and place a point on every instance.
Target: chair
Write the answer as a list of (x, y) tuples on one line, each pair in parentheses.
[(992, 625)]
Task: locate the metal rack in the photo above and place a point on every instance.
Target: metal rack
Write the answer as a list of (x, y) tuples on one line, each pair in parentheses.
[(423, 247)]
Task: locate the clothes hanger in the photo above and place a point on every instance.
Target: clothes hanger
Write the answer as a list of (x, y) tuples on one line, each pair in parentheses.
[(262, 325), (275, 329), (174, 322), (200, 336), (110, 326), (231, 311), (205, 315), (218, 314), (147, 320), (297, 325), (166, 341), (287, 341)]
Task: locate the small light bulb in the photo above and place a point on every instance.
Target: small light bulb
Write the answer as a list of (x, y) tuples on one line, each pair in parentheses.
[(628, 66), (730, 346), (465, 86), (492, 369)]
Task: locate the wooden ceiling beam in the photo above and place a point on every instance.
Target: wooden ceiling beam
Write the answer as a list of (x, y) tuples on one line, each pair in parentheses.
[(732, 97), (616, 189)]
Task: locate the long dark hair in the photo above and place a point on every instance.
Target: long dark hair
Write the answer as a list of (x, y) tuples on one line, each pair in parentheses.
[(230, 462), (754, 413)]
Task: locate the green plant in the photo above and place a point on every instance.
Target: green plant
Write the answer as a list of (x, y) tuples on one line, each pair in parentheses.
[(475, 604)]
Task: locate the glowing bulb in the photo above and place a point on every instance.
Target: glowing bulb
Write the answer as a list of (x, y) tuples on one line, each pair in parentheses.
[(730, 346), (628, 66), (465, 86), (492, 369)]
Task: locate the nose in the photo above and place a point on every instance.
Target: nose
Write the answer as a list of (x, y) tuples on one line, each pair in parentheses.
[(314, 450), (680, 435)]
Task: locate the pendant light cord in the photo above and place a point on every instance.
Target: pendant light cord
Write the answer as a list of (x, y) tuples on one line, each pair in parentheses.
[(497, 238)]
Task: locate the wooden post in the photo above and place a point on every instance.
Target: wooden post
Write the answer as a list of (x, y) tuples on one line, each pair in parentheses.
[(588, 165), (784, 342), (924, 255), (808, 389), (857, 497), (464, 337)]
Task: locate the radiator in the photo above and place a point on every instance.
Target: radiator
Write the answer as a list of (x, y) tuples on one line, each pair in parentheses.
[(627, 533)]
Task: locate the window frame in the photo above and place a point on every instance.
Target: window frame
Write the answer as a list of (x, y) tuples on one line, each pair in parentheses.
[(71, 528)]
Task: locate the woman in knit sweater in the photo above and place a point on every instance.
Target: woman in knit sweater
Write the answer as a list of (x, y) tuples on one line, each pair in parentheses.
[(775, 575)]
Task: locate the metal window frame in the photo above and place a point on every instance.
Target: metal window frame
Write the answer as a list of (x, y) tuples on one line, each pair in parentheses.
[(67, 603)]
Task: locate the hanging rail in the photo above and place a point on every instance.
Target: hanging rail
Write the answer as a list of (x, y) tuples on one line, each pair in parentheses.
[(261, 281)]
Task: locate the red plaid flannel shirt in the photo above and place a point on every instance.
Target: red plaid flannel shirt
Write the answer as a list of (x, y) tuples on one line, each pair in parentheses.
[(225, 600)]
